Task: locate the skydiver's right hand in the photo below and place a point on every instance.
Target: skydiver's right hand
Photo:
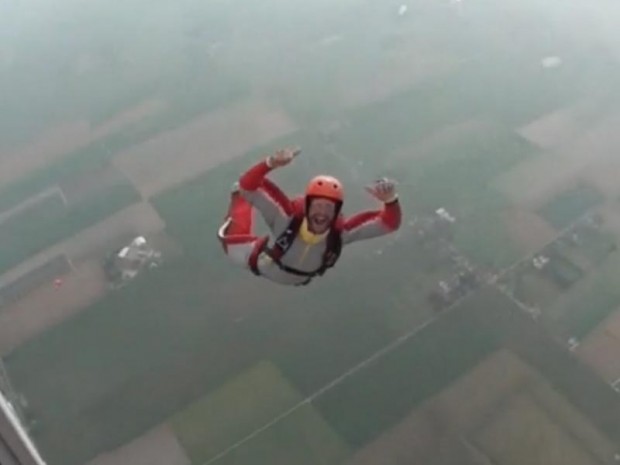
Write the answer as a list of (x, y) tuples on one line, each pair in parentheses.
[(282, 157)]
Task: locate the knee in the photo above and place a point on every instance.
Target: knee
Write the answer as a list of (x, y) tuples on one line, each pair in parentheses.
[(238, 249)]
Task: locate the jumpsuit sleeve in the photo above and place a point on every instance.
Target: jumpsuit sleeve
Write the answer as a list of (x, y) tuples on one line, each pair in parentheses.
[(371, 224), (275, 207)]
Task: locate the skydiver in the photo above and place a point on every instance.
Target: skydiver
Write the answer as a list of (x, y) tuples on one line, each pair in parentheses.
[(309, 230)]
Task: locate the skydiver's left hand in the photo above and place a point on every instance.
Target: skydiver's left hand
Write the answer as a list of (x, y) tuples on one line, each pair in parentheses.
[(384, 190), (283, 157)]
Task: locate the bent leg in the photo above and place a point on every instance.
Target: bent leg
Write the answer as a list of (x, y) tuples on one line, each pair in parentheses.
[(236, 234)]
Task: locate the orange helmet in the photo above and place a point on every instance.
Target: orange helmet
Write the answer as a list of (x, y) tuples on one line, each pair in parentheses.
[(325, 186)]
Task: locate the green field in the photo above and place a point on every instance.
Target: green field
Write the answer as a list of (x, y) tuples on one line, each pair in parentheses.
[(458, 176), (25, 233), (304, 438), (590, 301), (592, 249), (570, 205), (482, 236), (185, 107), (533, 289), (531, 341), (48, 222), (245, 404), (383, 393), (137, 364), (184, 343)]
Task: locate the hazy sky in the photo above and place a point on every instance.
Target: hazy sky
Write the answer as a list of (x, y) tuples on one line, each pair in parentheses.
[(56, 54)]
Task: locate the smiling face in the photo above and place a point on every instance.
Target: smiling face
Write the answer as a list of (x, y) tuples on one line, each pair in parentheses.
[(321, 213)]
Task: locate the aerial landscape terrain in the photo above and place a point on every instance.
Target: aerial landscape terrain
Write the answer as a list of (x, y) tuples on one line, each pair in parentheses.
[(486, 330)]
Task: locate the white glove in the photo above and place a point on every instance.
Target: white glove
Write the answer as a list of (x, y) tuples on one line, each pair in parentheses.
[(384, 190), (282, 157)]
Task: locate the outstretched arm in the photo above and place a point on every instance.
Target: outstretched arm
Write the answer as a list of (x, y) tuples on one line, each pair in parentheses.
[(370, 224), (375, 223), (271, 202)]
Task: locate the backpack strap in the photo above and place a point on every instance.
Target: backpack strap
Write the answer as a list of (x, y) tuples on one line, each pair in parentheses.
[(332, 251), (285, 240)]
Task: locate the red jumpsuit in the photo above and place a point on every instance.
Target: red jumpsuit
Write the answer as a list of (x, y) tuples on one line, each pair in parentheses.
[(307, 250)]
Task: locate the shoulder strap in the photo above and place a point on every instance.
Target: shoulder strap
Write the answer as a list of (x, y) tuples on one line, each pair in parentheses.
[(285, 240), (332, 251)]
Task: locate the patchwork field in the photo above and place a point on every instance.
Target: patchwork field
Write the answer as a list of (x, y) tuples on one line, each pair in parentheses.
[(158, 446), (48, 305), (452, 101), (560, 127), (176, 156), (246, 404), (56, 218), (527, 229), (601, 348), (589, 154), (589, 302), (12, 291), (403, 67), (41, 305), (499, 404), (66, 138), (524, 433), (570, 205), (96, 240)]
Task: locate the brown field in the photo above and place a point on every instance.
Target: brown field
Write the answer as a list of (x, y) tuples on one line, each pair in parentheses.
[(50, 147), (591, 155), (576, 426), (176, 156), (611, 216), (47, 305), (137, 219), (557, 128), (445, 137), (605, 177), (435, 428), (30, 202), (527, 229), (598, 144), (522, 432), (157, 447), (13, 291), (403, 68), (128, 117), (475, 422), (101, 180), (537, 290), (63, 139), (601, 348), (532, 183)]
